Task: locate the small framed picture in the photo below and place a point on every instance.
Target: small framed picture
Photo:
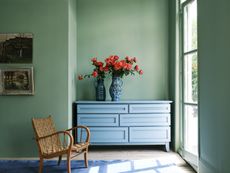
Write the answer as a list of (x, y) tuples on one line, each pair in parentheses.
[(16, 48), (16, 81)]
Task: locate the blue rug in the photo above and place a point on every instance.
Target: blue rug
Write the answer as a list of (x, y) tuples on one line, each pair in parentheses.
[(99, 166)]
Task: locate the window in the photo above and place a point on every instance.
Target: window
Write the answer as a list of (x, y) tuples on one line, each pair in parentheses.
[(189, 92)]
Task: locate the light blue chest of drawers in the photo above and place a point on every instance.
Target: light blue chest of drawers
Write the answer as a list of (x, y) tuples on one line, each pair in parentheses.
[(126, 122)]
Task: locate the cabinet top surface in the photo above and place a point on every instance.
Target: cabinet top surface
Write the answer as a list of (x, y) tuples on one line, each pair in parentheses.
[(123, 101)]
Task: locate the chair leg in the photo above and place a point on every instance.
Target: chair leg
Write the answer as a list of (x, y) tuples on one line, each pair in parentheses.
[(40, 165), (59, 160), (68, 164), (86, 158)]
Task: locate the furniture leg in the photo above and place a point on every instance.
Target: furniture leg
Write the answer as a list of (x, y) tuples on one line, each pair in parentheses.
[(68, 164), (40, 165), (167, 147), (59, 160), (86, 158)]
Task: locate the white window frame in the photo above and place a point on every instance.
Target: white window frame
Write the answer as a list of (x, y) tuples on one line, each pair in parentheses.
[(189, 157)]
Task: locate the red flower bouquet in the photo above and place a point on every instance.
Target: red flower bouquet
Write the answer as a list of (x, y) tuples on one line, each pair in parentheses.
[(122, 67), (113, 65), (99, 70)]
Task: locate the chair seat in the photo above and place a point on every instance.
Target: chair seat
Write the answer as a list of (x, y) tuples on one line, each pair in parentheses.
[(79, 147), (58, 150)]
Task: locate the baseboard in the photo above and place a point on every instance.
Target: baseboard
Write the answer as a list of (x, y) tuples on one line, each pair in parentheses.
[(27, 158), (205, 167), (19, 158)]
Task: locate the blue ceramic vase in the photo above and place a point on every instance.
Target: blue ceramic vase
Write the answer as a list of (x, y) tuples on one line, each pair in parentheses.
[(100, 90), (115, 89)]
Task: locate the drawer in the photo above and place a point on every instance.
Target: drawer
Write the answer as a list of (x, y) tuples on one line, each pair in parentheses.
[(108, 135), (102, 108), (145, 120), (149, 134), (149, 108), (98, 119)]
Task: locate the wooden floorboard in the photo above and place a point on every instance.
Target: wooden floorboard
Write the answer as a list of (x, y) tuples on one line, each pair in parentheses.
[(135, 153)]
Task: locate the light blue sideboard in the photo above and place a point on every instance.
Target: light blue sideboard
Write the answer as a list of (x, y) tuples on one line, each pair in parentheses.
[(126, 122)]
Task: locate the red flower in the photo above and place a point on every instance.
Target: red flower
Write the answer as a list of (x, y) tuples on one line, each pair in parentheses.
[(135, 59), (116, 57), (128, 66), (101, 68), (141, 72), (137, 68), (128, 59), (106, 69), (99, 63), (111, 59), (94, 59), (108, 61), (94, 74), (80, 77), (117, 66), (122, 63)]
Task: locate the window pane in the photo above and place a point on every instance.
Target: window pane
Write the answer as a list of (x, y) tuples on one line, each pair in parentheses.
[(191, 128), (190, 78), (190, 26)]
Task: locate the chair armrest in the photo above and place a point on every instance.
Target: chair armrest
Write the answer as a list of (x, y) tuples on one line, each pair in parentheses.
[(57, 133), (81, 127)]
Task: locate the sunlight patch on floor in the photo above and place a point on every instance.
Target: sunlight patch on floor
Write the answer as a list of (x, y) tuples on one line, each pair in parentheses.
[(137, 166)]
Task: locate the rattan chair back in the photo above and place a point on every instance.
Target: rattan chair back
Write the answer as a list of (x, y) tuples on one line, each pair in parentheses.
[(44, 127)]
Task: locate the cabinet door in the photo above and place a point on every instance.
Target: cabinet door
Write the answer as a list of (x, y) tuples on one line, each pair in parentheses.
[(98, 119), (108, 135), (149, 134), (144, 119), (149, 108)]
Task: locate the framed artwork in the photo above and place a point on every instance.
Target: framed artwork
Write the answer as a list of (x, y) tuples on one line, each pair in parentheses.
[(16, 81), (16, 48)]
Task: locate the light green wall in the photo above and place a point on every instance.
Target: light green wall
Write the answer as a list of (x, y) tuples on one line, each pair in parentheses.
[(214, 85), (103, 27), (174, 71), (72, 48), (48, 21), (124, 27)]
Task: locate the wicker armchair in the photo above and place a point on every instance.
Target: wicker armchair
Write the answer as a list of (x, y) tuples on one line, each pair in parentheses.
[(52, 143)]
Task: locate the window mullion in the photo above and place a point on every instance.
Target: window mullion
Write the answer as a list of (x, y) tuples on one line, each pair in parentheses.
[(190, 104), (190, 52)]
